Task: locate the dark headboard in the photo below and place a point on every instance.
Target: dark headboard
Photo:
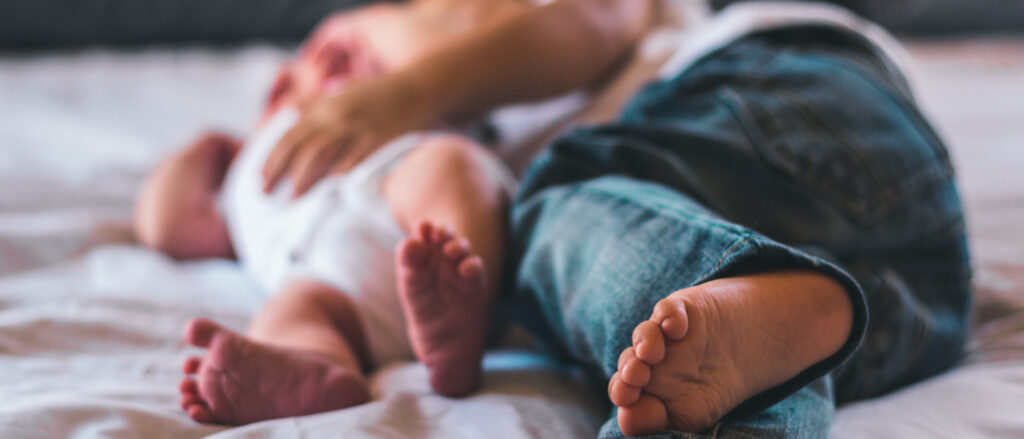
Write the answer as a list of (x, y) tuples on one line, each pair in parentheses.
[(49, 23)]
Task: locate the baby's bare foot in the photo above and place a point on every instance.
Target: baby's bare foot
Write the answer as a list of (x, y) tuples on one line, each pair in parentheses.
[(708, 348), (444, 294), (240, 381)]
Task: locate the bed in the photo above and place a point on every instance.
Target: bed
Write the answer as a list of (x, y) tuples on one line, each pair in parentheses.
[(90, 335)]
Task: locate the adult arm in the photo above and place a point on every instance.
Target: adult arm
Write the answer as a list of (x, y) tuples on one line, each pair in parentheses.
[(539, 53), (528, 55)]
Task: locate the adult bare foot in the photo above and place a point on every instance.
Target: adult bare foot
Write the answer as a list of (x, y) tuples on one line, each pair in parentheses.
[(708, 348), (240, 381), (444, 294)]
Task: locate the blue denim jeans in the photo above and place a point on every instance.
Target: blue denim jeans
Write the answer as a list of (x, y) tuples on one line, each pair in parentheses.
[(791, 148)]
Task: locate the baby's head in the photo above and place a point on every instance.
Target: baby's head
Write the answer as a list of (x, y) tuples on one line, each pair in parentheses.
[(335, 53)]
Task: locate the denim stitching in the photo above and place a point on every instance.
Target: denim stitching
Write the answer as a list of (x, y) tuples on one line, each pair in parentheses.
[(895, 96), (884, 200), (843, 141), (654, 206), (922, 126), (730, 252)]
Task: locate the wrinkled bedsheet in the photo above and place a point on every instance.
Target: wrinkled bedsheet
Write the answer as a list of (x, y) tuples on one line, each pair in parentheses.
[(90, 340)]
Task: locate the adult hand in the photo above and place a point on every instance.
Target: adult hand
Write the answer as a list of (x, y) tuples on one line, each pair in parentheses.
[(337, 131)]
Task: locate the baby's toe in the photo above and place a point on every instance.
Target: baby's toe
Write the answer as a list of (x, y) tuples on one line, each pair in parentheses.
[(632, 370), (647, 416), (456, 249), (200, 332), (425, 231), (671, 315), (188, 386), (441, 235), (622, 393), (648, 342), (188, 400), (412, 253), (625, 355), (191, 365), (199, 412), (471, 270), (635, 372)]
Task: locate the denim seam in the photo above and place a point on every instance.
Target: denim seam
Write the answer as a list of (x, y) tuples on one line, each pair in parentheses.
[(843, 140), (729, 252), (757, 136), (894, 96), (653, 206), (885, 199), (917, 349), (903, 103)]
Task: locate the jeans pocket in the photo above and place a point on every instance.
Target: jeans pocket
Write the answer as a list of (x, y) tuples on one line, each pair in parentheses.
[(853, 147)]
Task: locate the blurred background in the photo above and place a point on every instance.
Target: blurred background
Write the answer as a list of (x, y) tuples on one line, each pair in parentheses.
[(41, 24)]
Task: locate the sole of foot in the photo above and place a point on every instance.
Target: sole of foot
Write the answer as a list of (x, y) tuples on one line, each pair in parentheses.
[(241, 381), (444, 294), (708, 348)]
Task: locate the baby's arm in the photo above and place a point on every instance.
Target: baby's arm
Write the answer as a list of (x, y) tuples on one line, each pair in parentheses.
[(176, 211)]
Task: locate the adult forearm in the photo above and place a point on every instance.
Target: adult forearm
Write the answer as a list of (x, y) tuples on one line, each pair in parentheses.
[(537, 53)]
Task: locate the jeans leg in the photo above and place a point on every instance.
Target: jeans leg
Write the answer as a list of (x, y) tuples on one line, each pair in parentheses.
[(804, 136), (808, 136), (596, 256)]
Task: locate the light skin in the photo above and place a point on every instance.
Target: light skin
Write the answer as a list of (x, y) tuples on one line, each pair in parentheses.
[(705, 349), (708, 348), (306, 350), (522, 55)]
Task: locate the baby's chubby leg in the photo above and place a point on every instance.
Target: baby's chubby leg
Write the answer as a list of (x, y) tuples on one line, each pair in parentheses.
[(303, 354), (176, 210), (450, 265)]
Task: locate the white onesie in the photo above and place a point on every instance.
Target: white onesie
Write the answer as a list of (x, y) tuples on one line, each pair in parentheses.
[(341, 232)]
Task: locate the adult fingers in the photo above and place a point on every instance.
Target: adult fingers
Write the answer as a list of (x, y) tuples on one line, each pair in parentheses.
[(357, 150), (314, 163), (280, 159)]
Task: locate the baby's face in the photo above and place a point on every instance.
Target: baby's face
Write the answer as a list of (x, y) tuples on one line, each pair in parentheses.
[(334, 55)]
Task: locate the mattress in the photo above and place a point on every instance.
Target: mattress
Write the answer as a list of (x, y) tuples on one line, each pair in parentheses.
[(90, 337)]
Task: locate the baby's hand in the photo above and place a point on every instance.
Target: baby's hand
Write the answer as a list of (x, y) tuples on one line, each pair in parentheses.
[(176, 211), (211, 154)]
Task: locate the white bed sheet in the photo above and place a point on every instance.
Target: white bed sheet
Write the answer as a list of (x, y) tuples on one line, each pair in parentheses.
[(90, 346)]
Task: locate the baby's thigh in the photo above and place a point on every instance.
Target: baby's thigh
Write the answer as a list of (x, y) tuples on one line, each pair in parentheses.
[(445, 172)]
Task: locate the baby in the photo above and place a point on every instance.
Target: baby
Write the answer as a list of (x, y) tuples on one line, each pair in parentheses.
[(395, 259)]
